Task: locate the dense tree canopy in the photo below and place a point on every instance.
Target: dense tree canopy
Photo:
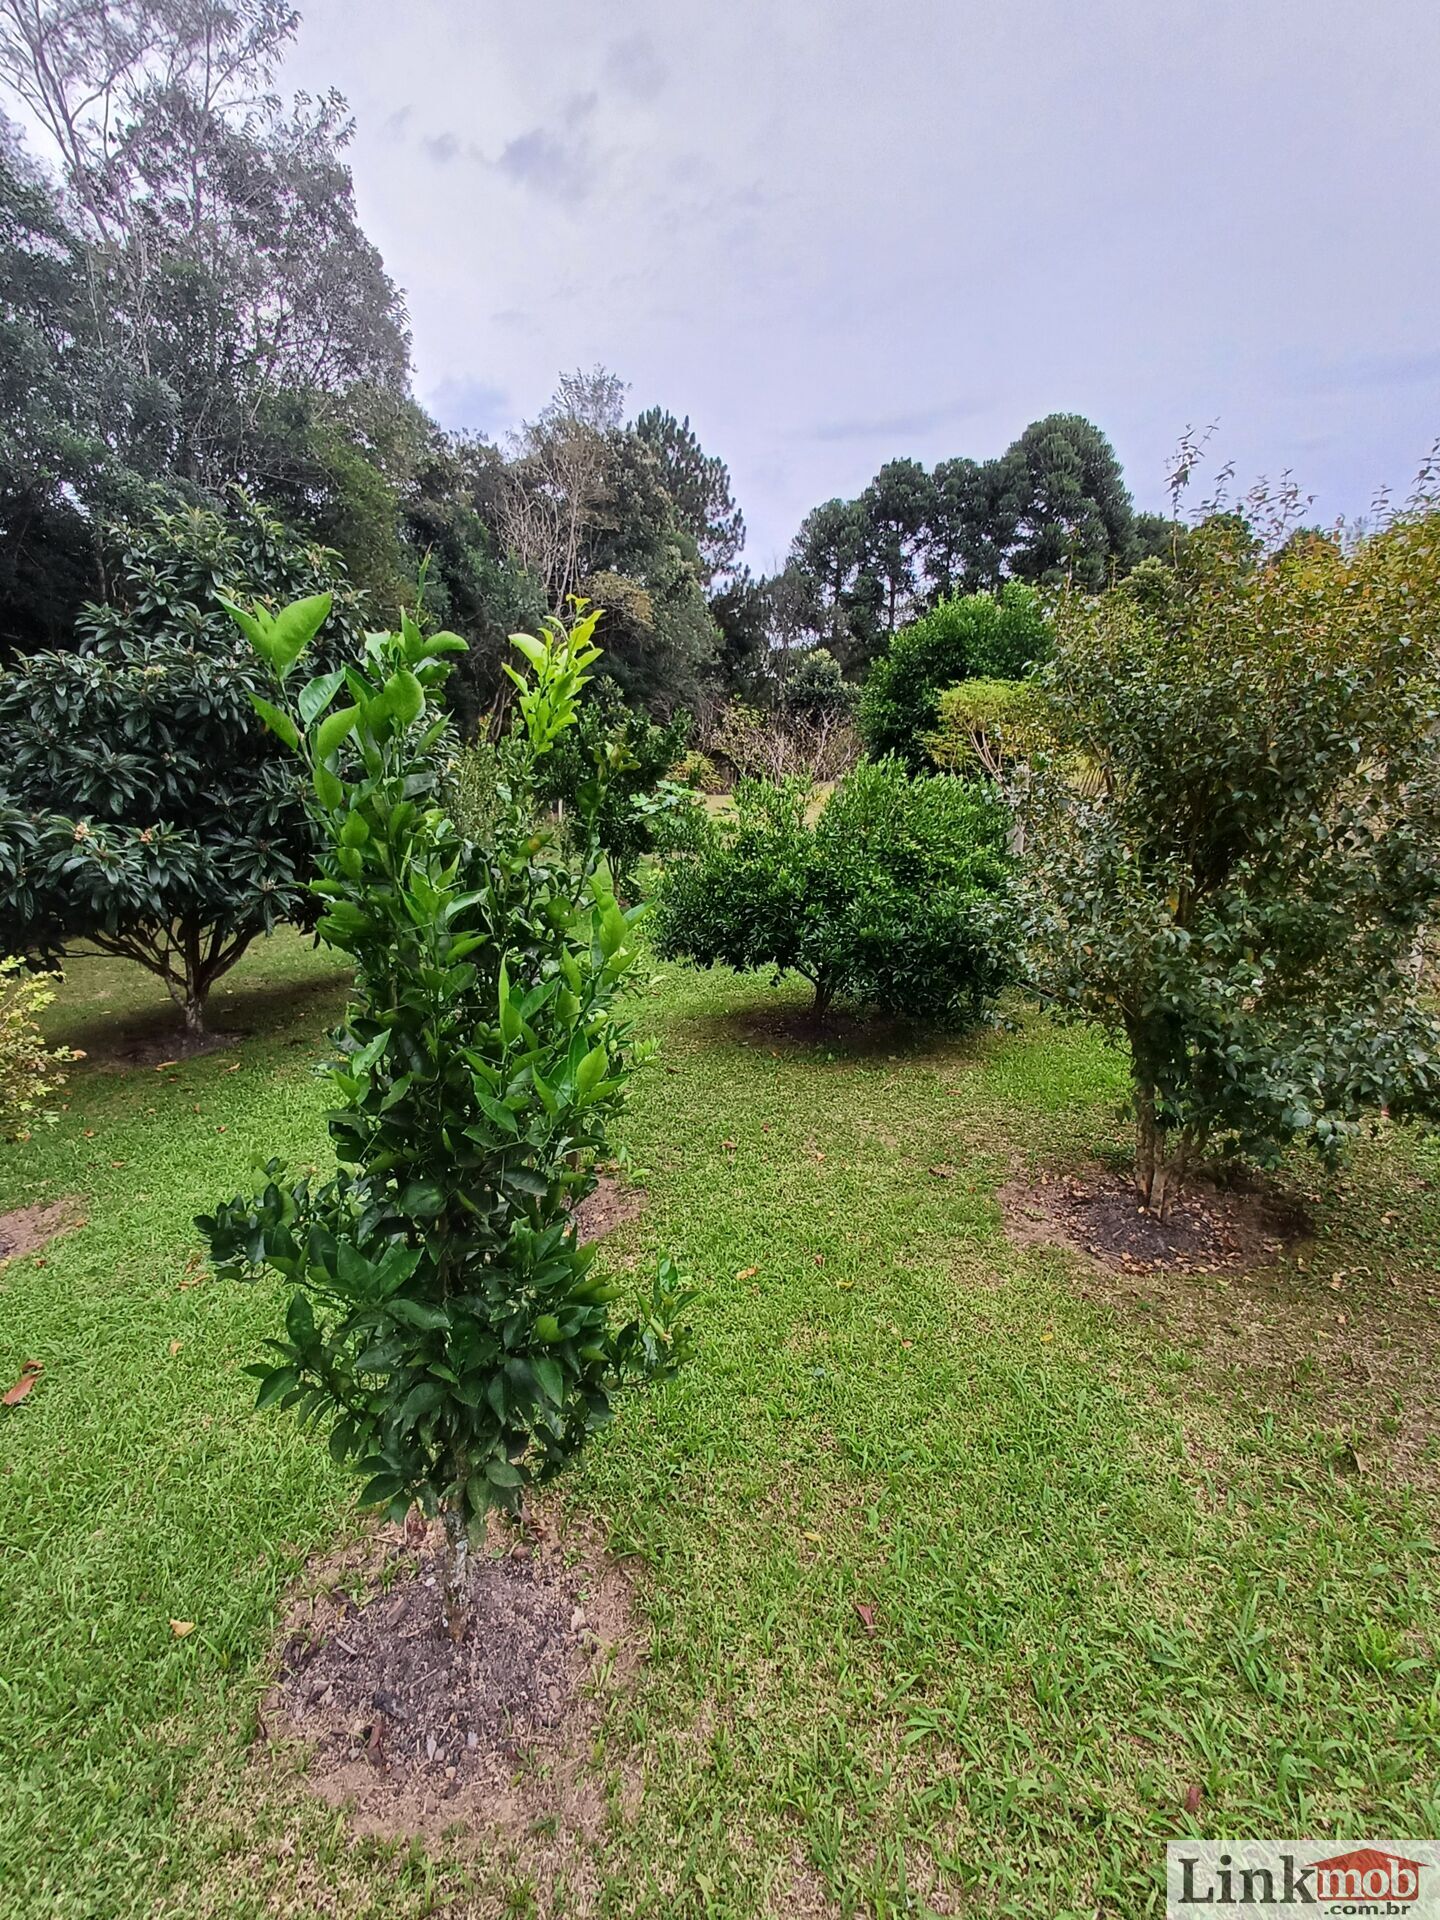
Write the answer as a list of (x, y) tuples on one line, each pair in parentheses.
[(977, 635), (1052, 509), (143, 806), (1237, 888), (187, 298)]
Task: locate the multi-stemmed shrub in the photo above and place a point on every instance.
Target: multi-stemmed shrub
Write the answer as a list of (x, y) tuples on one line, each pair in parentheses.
[(446, 1325), (1238, 884), (896, 898)]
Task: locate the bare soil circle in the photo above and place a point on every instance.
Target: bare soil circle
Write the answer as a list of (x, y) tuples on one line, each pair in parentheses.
[(1207, 1229), (418, 1735)]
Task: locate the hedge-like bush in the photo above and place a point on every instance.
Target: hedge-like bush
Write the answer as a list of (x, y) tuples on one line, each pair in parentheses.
[(896, 898)]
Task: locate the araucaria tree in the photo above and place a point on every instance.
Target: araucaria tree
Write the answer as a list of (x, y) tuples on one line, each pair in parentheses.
[(1235, 849), (445, 1323), (143, 807)]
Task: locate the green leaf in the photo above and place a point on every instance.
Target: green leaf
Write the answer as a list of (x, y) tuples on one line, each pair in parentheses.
[(295, 627), (380, 1491), (329, 790), (591, 1070), (552, 1380), (499, 1114), (362, 1061), (415, 1313), (500, 1473), (317, 694), (300, 1320), (333, 729), (404, 696), (422, 1199), (510, 1022), (276, 1385), (420, 1400), (533, 649), (279, 723), (255, 626)]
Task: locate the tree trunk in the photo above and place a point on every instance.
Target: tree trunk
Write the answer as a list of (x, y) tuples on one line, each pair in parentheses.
[(456, 1573), (194, 1010), (1162, 1157), (1146, 1142)]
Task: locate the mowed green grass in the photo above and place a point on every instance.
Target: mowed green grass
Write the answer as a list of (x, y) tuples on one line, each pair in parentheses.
[(1122, 1544)]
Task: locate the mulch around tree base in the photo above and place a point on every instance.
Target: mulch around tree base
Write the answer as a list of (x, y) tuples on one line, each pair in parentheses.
[(1207, 1229), (418, 1735)]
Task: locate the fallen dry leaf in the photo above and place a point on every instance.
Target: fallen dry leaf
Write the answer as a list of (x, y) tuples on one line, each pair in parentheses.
[(1192, 1799), (181, 1627), (728, 1146), (165, 1066), (866, 1612), (175, 1346), (809, 1534), (29, 1374), (746, 1273)]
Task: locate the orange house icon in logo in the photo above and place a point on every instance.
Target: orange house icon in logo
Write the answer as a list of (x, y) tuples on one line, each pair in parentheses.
[(1367, 1874)]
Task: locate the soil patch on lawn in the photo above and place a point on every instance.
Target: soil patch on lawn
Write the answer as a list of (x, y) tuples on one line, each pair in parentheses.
[(1229, 1282), (28, 1229), (419, 1736), (608, 1207), (1208, 1229)]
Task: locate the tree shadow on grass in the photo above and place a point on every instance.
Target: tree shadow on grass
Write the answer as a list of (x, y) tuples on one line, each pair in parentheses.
[(116, 1040), (785, 1026)]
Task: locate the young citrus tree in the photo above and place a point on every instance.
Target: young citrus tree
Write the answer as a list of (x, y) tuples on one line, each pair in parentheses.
[(445, 1323), (1237, 884)]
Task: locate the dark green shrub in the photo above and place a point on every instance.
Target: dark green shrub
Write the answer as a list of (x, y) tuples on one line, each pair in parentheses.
[(816, 689), (978, 636), (896, 898), (445, 1324)]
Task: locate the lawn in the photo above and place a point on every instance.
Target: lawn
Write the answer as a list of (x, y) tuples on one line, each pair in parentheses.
[(1141, 1557)]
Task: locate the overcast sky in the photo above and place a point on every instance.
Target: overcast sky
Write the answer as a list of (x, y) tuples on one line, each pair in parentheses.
[(838, 231)]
